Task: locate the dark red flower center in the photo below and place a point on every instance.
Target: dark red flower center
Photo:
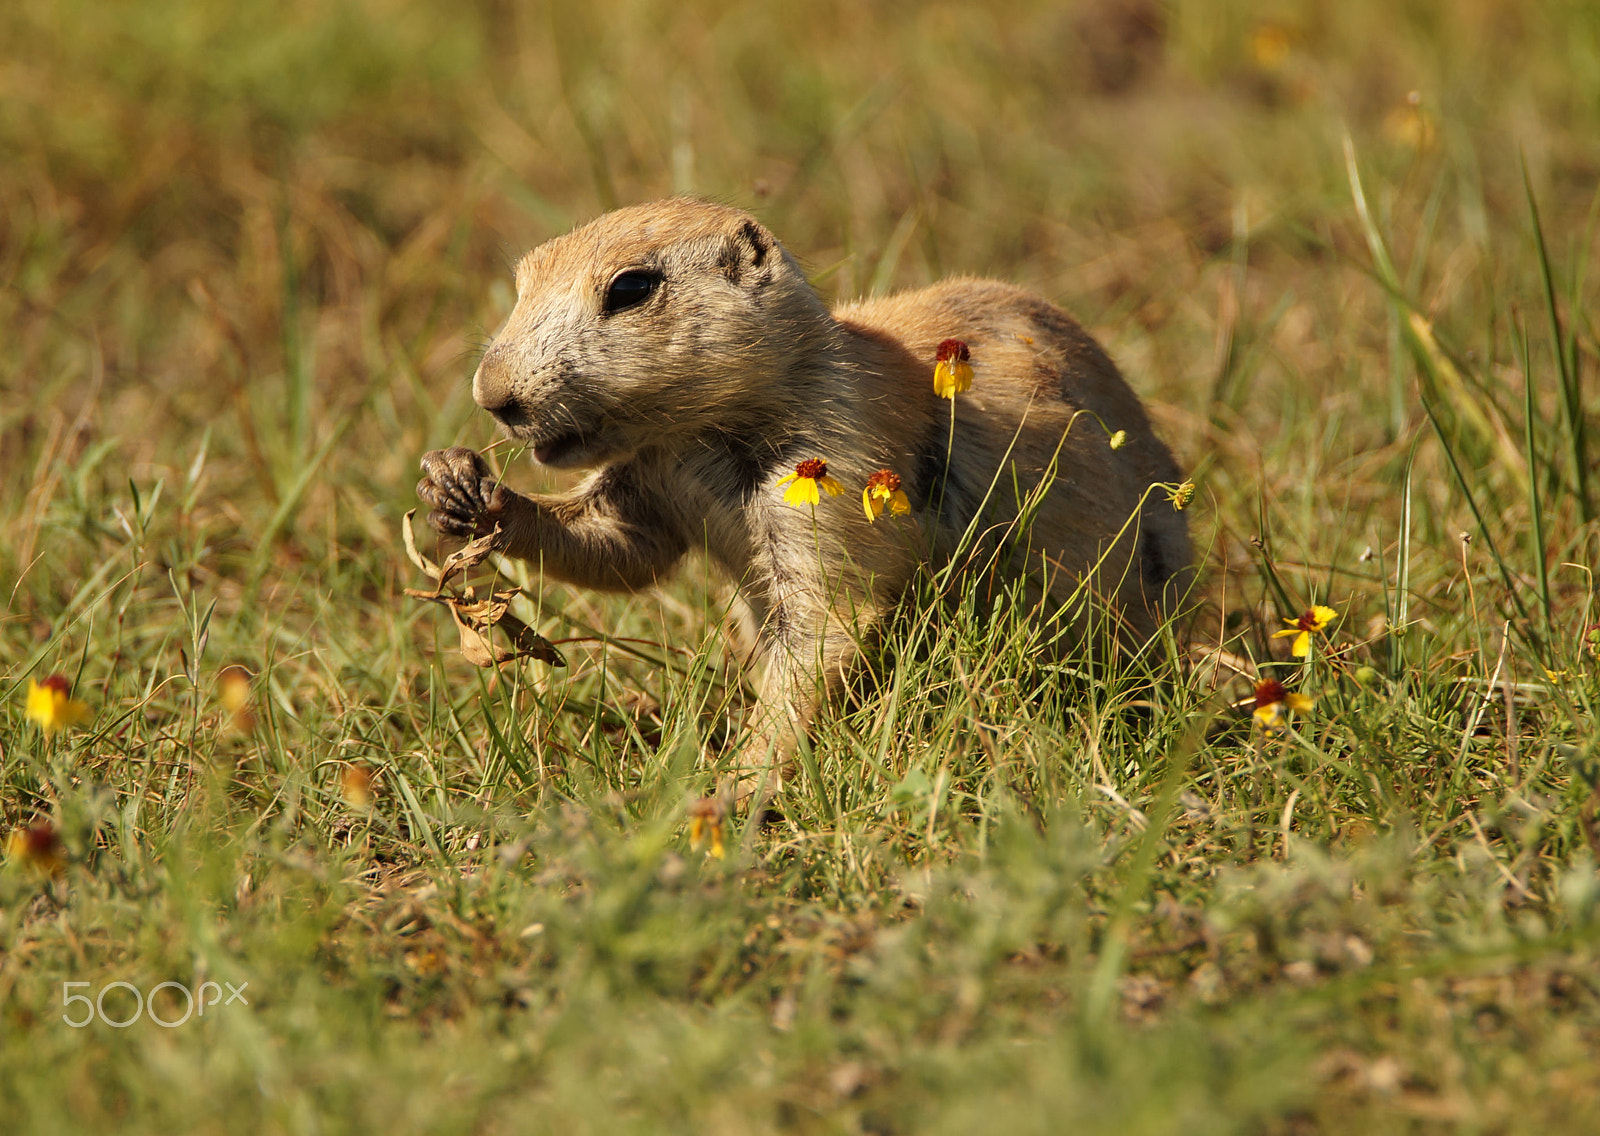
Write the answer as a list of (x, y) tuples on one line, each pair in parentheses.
[(39, 840), (58, 684), (886, 479), (952, 349), (1269, 691), (814, 468)]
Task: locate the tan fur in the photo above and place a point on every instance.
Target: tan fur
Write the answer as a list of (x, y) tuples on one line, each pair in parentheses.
[(691, 405)]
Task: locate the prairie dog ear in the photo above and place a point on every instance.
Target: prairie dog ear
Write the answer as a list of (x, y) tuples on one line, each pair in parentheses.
[(747, 256)]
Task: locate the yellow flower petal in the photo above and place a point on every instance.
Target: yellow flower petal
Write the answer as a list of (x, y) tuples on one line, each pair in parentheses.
[(802, 492), (1322, 616), (883, 492), (51, 705), (1273, 702), (952, 369), (951, 377), (705, 822), (41, 706), (38, 846), (807, 477), (1302, 645)]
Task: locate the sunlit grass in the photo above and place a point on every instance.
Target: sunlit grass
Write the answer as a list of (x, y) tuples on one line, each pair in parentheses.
[(246, 259)]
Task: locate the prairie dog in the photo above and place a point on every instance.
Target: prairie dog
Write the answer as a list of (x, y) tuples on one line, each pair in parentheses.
[(677, 350)]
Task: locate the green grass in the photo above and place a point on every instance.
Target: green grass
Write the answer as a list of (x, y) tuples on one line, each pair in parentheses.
[(247, 255)]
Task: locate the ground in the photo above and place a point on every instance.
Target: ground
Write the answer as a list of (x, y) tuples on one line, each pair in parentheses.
[(247, 257)]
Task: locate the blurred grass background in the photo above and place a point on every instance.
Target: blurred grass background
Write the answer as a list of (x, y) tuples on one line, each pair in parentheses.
[(247, 255)]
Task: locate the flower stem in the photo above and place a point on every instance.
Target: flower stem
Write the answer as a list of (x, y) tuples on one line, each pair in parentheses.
[(944, 474)]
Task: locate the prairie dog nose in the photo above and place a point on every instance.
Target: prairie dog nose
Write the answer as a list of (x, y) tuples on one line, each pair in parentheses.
[(491, 385)]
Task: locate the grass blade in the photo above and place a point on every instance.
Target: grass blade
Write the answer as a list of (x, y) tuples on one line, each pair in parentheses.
[(1530, 412), (1571, 394)]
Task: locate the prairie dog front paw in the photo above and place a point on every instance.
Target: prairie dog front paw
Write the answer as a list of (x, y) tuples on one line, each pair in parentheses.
[(462, 491)]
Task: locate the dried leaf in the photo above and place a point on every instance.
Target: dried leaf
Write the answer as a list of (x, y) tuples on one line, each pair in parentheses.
[(467, 557), (476, 646), (476, 619), (530, 643), (428, 567), (463, 559)]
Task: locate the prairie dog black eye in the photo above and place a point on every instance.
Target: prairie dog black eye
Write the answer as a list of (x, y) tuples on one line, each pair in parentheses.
[(630, 288)]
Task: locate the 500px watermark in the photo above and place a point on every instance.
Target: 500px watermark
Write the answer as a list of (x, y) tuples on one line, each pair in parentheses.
[(194, 1003)]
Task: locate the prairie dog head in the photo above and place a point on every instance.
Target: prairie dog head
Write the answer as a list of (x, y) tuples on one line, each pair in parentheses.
[(647, 324)]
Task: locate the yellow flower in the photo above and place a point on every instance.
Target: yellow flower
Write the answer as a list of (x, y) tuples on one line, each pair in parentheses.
[(1273, 702), (355, 784), (1410, 124), (705, 820), (1119, 439), (1270, 45), (883, 492), (1181, 494), (233, 691), (50, 703), (38, 846), (425, 961), (1303, 628), (808, 476), (952, 369)]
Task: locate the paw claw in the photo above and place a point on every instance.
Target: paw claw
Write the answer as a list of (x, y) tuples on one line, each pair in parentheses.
[(461, 489)]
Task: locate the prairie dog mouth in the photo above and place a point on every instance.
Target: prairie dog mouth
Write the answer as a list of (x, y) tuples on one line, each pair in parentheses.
[(554, 439), (554, 451)]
